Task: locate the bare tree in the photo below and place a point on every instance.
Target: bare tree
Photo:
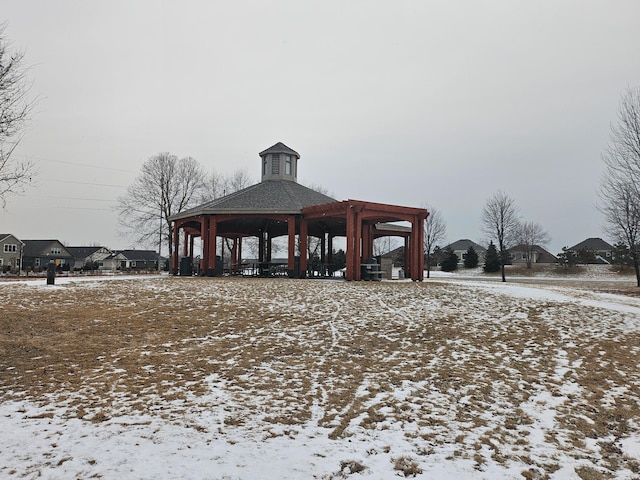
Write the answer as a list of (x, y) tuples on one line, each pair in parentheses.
[(501, 223), (238, 180), (621, 208), (622, 155), (435, 231), (530, 236), (219, 185), (15, 112), (619, 188), (165, 186)]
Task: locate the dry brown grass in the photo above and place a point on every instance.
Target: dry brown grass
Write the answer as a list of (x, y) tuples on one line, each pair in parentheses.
[(471, 367)]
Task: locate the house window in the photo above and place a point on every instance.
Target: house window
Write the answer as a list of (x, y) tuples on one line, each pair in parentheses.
[(10, 247), (264, 165), (1, 261), (275, 161), (56, 250), (287, 165)]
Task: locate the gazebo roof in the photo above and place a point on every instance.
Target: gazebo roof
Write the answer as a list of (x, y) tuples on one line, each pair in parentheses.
[(269, 196)]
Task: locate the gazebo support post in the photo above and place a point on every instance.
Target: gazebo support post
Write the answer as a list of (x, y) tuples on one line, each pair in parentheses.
[(330, 267), (407, 258), (213, 237), (418, 226), (239, 252), (304, 239), (174, 254), (291, 252), (323, 254), (205, 244)]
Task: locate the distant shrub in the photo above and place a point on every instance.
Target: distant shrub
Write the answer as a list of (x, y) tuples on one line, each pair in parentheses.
[(449, 261)]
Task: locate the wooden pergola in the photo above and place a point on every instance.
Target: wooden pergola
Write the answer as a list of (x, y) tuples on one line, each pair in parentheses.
[(279, 206)]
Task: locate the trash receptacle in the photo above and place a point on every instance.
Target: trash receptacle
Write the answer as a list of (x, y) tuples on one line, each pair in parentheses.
[(186, 267), (51, 273)]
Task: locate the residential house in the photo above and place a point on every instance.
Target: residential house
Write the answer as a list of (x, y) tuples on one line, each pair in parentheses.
[(460, 248), (136, 259), (38, 253), (11, 250), (539, 256), (602, 250), (93, 258)]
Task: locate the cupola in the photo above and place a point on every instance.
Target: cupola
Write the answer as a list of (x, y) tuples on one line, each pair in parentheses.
[(279, 163)]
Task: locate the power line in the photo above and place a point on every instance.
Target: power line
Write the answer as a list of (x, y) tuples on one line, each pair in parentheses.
[(70, 198), (86, 183), (86, 165)]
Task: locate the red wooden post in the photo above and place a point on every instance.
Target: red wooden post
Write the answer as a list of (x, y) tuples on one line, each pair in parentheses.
[(330, 253), (291, 253), (358, 244), (205, 243), (213, 234), (303, 248), (185, 243), (407, 257), (174, 254), (350, 253), (420, 227), (367, 240)]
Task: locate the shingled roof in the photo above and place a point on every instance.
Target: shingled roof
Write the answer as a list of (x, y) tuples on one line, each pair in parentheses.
[(595, 244), (279, 148), (269, 196)]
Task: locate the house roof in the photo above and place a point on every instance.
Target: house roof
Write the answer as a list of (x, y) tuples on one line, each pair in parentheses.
[(82, 252), (279, 148), (543, 255), (464, 244), (33, 248), (268, 196), (4, 236), (595, 244), (138, 255)]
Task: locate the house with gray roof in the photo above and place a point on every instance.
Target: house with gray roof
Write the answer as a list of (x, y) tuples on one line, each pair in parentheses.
[(11, 250), (136, 260), (602, 250), (461, 246), (38, 253), (92, 258), (521, 253)]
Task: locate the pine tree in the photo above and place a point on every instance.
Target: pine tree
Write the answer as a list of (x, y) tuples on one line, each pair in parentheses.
[(471, 258), (450, 261), (492, 259)]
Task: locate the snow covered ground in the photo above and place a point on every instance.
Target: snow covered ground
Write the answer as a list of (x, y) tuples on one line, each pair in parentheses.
[(173, 378)]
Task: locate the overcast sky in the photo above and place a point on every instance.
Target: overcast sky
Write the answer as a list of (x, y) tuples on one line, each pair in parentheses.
[(403, 102)]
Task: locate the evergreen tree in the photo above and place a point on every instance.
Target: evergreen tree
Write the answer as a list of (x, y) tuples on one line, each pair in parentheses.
[(339, 259), (621, 255), (471, 258), (492, 259), (450, 261), (567, 258), (437, 255), (586, 256)]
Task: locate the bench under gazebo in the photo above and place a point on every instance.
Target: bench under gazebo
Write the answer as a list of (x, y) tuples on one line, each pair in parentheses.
[(280, 206)]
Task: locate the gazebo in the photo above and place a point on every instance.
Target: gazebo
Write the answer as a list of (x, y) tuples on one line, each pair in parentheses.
[(279, 206)]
